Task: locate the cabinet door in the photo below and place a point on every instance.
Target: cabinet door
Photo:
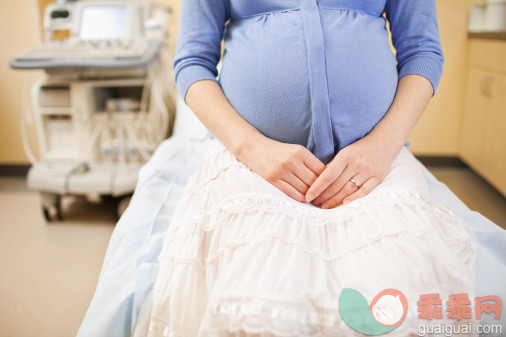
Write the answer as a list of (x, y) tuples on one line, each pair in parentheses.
[(495, 151), (476, 118)]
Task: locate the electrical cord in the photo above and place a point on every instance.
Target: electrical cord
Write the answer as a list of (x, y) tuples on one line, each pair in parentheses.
[(144, 138), (141, 133), (28, 118)]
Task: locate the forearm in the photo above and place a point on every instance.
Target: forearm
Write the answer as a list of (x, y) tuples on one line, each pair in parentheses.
[(289, 167), (412, 96), (208, 102)]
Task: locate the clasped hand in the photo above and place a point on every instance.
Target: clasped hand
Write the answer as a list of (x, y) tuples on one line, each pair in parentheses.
[(299, 174)]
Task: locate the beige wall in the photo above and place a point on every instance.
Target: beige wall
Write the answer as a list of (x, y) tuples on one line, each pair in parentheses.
[(438, 132), (19, 24)]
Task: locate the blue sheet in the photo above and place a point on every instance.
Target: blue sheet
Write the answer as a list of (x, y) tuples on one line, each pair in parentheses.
[(130, 266)]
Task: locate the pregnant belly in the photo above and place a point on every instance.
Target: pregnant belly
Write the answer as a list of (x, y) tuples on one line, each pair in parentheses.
[(362, 73), (264, 75)]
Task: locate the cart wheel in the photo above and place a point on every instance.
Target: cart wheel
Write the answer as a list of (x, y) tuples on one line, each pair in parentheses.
[(46, 214), (57, 207), (51, 207)]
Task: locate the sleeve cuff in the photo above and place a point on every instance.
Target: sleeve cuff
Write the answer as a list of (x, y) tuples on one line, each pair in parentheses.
[(191, 74), (427, 67)]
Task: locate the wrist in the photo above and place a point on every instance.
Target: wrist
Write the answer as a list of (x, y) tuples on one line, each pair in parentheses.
[(389, 142), (244, 144)]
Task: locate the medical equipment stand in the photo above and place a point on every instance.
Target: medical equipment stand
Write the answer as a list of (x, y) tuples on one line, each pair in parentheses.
[(96, 126)]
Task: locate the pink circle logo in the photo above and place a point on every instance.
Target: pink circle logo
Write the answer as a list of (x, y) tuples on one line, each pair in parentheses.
[(389, 307)]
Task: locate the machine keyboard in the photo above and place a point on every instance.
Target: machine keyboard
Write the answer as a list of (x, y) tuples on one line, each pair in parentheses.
[(87, 49)]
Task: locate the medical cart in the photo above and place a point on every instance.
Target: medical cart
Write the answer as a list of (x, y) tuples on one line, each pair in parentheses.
[(105, 100)]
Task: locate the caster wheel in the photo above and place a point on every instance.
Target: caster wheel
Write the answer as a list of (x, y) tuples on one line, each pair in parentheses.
[(51, 207), (59, 215), (47, 216)]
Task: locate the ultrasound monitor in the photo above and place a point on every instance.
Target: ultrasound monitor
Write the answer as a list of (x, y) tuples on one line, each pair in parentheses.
[(103, 23)]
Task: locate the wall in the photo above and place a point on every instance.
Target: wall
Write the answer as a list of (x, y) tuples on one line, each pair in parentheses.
[(439, 130), (19, 25), (437, 133)]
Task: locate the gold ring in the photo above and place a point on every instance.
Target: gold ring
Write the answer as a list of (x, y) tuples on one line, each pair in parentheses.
[(355, 182)]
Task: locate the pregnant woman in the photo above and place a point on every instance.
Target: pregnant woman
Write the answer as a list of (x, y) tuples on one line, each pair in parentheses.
[(306, 189)]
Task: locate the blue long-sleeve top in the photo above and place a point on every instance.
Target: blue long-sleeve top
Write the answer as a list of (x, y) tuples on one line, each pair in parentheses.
[(319, 73)]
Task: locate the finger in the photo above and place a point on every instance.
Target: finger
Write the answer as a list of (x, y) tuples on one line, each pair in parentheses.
[(345, 177), (314, 164), (289, 190), (337, 199), (294, 181), (304, 174), (335, 187), (329, 192), (327, 177), (364, 190), (305, 165)]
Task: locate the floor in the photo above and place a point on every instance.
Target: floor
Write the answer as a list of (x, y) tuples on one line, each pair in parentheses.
[(477, 194), (49, 271)]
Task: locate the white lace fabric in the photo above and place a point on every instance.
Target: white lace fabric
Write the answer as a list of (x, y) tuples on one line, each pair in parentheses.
[(242, 258)]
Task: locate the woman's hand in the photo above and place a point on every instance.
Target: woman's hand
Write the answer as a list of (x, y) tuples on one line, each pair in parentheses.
[(289, 167), (366, 162), (293, 168)]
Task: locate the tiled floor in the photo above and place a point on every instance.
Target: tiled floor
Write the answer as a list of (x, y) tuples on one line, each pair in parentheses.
[(49, 271)]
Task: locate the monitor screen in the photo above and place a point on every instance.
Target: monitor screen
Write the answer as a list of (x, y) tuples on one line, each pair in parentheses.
[(103, 22)]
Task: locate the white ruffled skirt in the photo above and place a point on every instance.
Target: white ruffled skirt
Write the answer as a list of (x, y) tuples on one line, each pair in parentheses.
[(242, 258)]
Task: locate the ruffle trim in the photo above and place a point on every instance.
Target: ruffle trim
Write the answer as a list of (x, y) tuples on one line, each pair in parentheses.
[(438, 220), (262, 316), (207, 220)]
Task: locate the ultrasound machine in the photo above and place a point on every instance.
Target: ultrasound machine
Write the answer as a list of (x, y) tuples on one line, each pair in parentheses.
[(104, 102)]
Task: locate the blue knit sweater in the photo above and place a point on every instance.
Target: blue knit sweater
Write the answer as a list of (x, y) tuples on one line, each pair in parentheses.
[(319, 73)]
